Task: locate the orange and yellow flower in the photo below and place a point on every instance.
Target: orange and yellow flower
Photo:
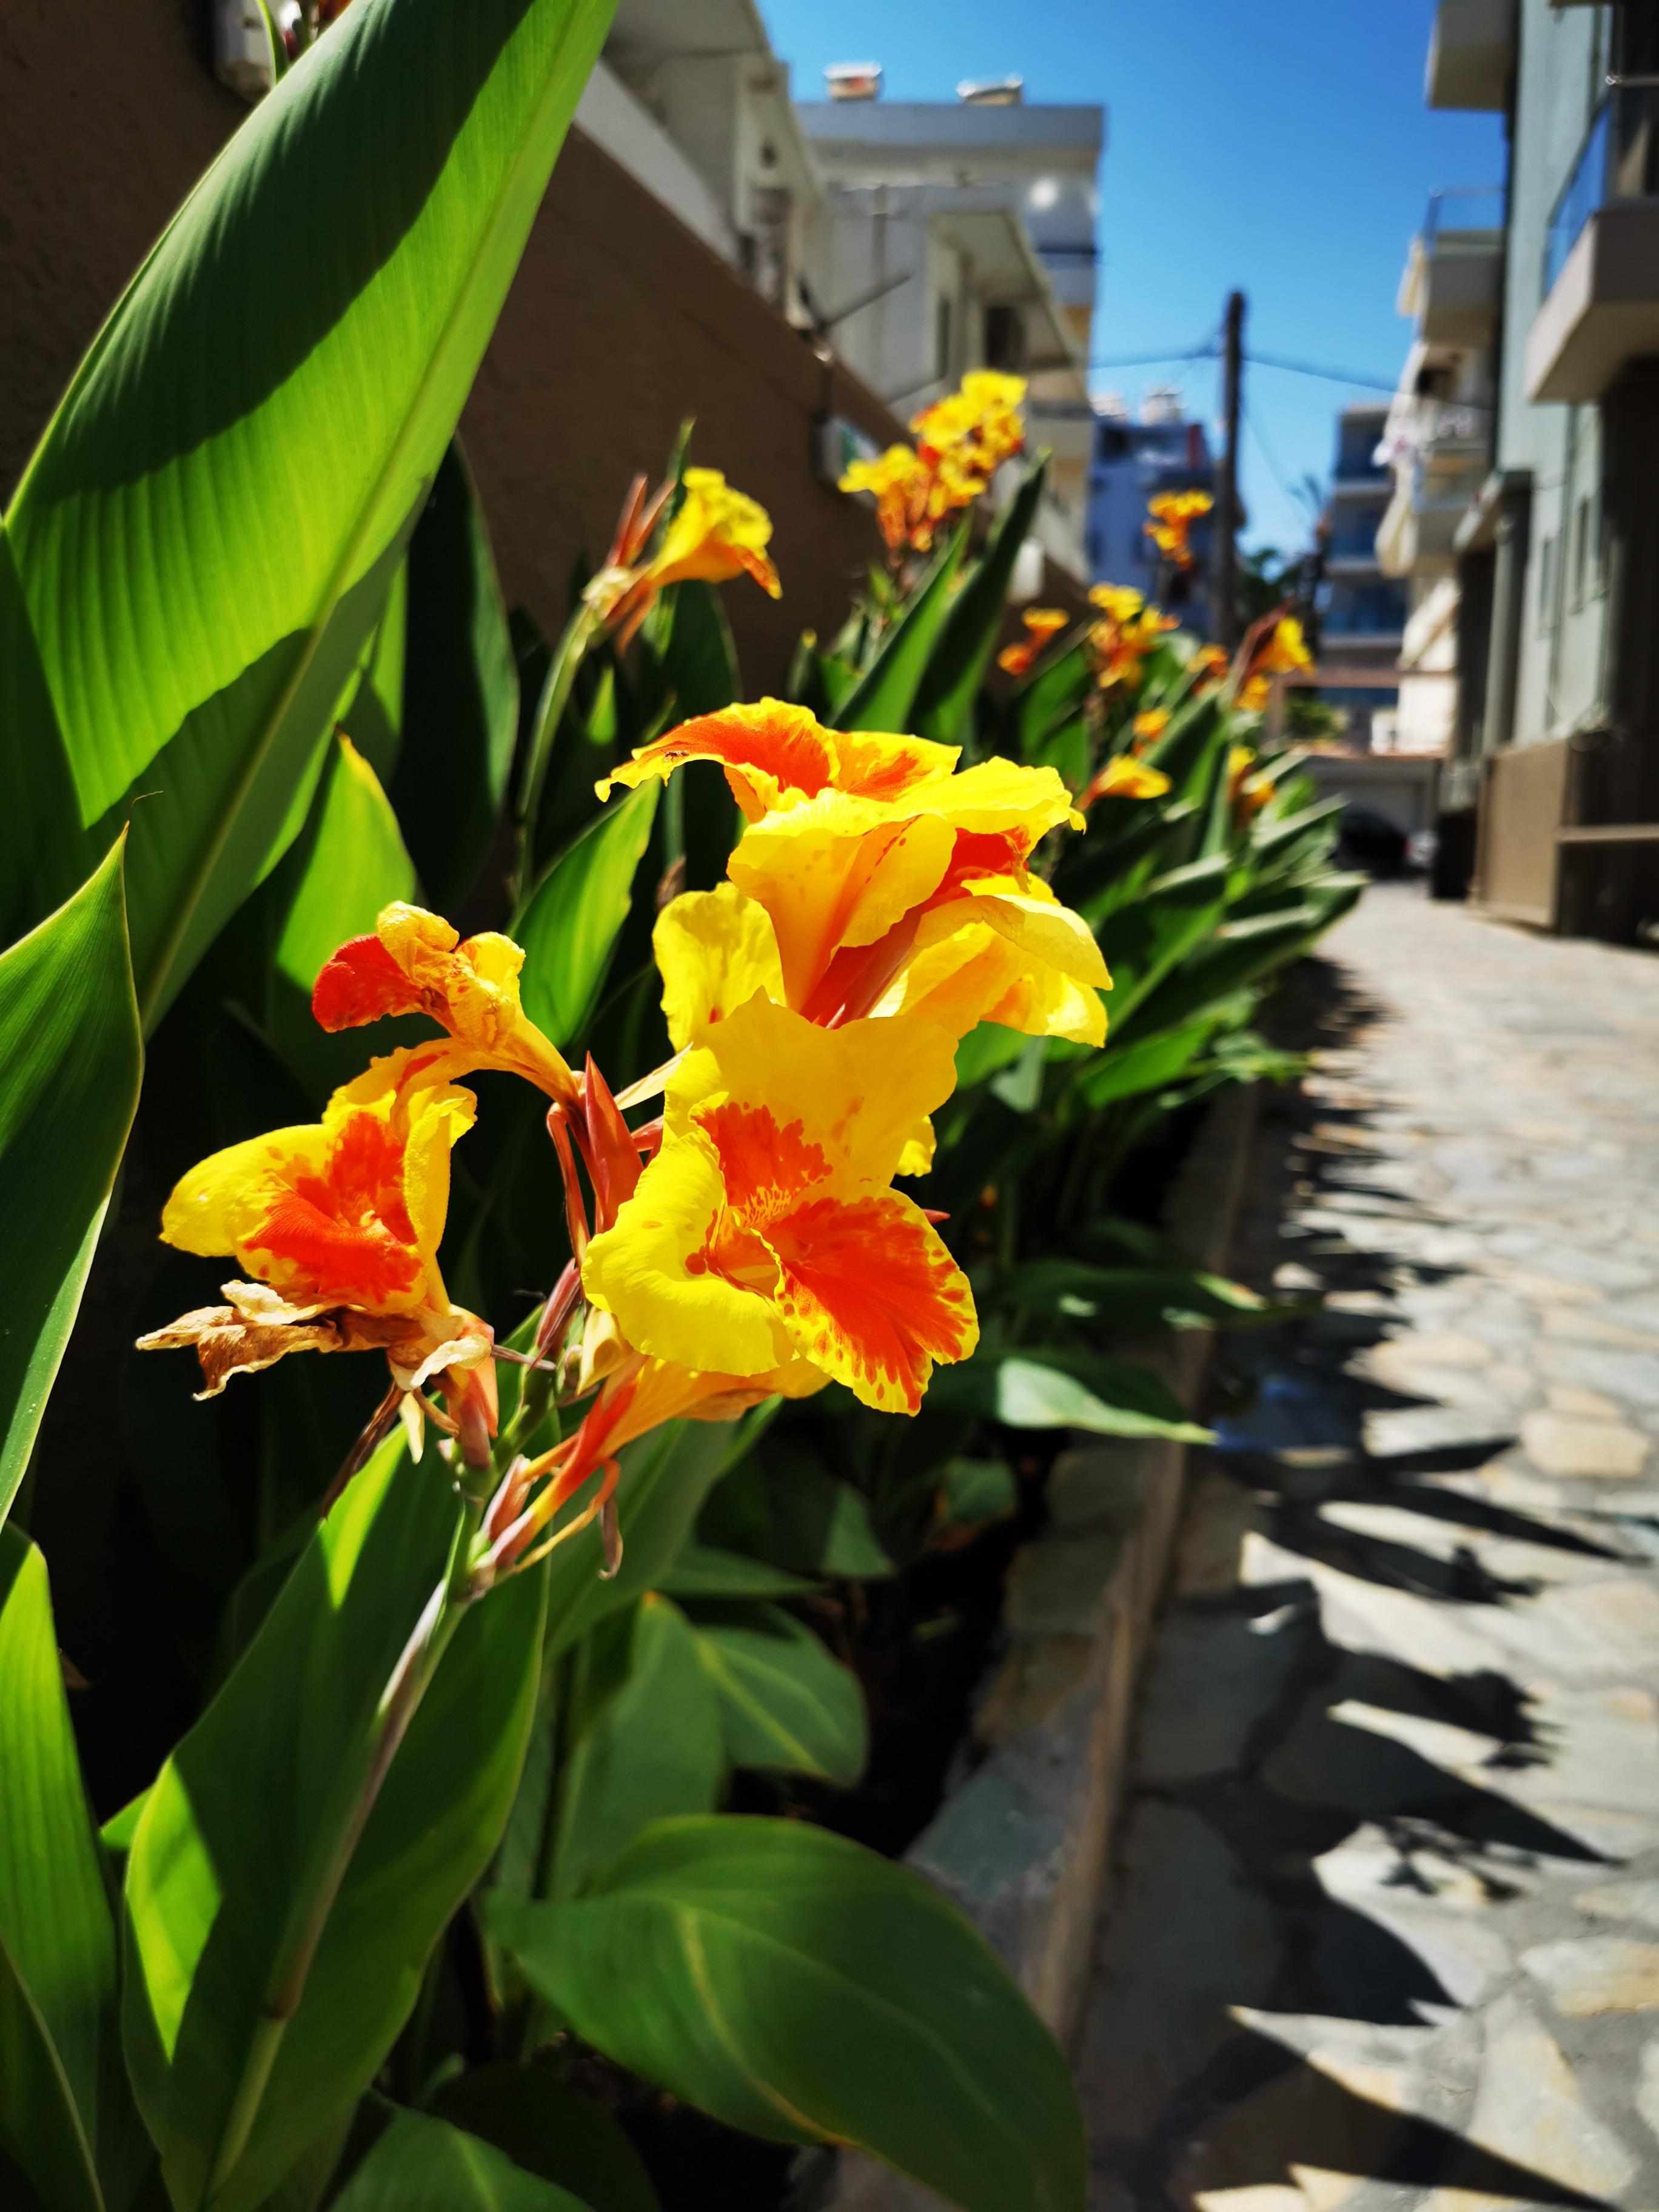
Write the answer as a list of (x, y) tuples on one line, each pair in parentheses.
[(1208, 667), (1042, 624), (766, 1231), (1247, 790), (1124, 776), (416, 963), (1127, 631), (338, 1222), (881, 874), (1149, 728), (1173, 514), (714, 534), (1282, 650), (961, 442)]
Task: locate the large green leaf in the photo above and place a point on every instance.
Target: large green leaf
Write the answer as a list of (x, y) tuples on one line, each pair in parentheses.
[(570, 924), (804, 1989), (547, 2128), (424, 2164), (460, 706), (1131, 1301), (650, 1745), (71, 1062), (1239, 953), (705, 1570), (1148, 1063), (884, 695), (66, 2114), (785, 1702), (200, 543), (1044, 1387), (357, 863), (230, 1858), (955, 668)]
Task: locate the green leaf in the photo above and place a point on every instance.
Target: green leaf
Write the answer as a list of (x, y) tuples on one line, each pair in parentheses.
[(1131, 1301), (699, 661), (973, 1492), (70, 1061), (1052, 695), (552, 2129), (460, 708), (247, 440), (987, 1047), (1039, 1387), (1148, 1063), (652, 1748), (1143, 940), (704, 1570), (785, 1701), (883, 697), (1239, 954), (66, 2115), (423, 2165), (818, 1522), (355, 864), (944, 707), (373, 717), (804, 1989), (569, 925), (251, 1811)]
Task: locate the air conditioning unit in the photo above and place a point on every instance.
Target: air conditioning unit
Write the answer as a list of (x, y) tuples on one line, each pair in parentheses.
[(241, 48)]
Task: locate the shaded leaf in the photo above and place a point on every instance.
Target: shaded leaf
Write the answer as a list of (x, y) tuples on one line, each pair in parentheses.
[(71, 1062), (552, 2129), (704, 1570), (422, 2164), (570, 924), (883, 697), (944, 708), (1039, 1387), (804, 1989), (785, 1701)]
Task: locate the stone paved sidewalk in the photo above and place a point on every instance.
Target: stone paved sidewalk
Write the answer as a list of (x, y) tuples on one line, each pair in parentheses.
[(1385, 1927)]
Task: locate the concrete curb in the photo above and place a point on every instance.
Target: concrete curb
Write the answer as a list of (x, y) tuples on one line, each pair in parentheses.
[(1024, 1843)]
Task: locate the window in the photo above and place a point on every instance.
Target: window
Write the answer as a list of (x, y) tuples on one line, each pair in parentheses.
[(1005, 339), (1545, 582)]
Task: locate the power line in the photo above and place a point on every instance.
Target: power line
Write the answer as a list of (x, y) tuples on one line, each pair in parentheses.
[(1207, 351), (1329, 375)]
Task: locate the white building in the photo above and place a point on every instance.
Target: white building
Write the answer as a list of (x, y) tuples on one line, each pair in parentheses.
[(960, 235), (1133, 461)]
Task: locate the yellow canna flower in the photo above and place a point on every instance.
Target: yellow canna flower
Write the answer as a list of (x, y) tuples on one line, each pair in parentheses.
[(1209, 665), (1173, 514), (961, 442), (416, 963), (1247, 792), (717, 533), (1129, 629), (765, 1230), (1123, 776), (1280, 649), (1040, 624), (339, 1223), (865, 850)]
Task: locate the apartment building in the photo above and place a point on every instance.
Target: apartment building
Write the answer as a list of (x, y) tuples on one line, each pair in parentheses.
[(1362, 610), (1436, 441), (959, 234), (1134, 459), (1556, 730)]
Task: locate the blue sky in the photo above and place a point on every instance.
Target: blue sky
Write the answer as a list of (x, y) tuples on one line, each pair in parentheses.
[(1285, 149)]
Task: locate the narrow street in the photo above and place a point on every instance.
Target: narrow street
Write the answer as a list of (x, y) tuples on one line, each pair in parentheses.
[(1384, 1930)]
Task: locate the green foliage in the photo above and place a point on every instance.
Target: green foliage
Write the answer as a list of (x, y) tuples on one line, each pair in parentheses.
[(71, 1060), (569, 927), (422, 2164), (66, 2114), (801, 1987), (784, 1702), (304, 401)]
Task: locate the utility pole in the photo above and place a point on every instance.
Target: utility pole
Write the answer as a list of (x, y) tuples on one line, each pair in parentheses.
[(1226, 519)]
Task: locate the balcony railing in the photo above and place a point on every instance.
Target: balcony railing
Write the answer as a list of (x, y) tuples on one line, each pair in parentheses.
[(1619, 160), (1461, 216)]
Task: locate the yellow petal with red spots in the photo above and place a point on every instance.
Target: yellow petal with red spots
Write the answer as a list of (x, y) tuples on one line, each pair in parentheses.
[(869, 1292)]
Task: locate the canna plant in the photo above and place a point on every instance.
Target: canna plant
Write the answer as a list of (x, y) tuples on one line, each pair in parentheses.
[(482, 1631)]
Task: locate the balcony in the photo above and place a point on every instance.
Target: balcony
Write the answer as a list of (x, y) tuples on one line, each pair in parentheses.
[(1454, 275), (1471, 54), (1601, 255)]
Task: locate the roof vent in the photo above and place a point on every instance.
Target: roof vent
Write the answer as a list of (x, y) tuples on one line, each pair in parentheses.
[(992, 91), (853, 80)]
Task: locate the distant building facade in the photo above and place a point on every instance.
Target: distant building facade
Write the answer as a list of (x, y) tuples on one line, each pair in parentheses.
[(1133, 460), (953, 235), (1361, 611), (1555, 773)]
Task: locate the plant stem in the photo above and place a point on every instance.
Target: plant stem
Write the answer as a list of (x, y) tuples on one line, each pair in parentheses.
[(406, 1685), (567, 657)]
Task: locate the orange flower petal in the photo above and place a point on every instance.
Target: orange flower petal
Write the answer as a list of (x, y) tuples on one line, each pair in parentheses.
[(359, 983), (868, 1292)]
